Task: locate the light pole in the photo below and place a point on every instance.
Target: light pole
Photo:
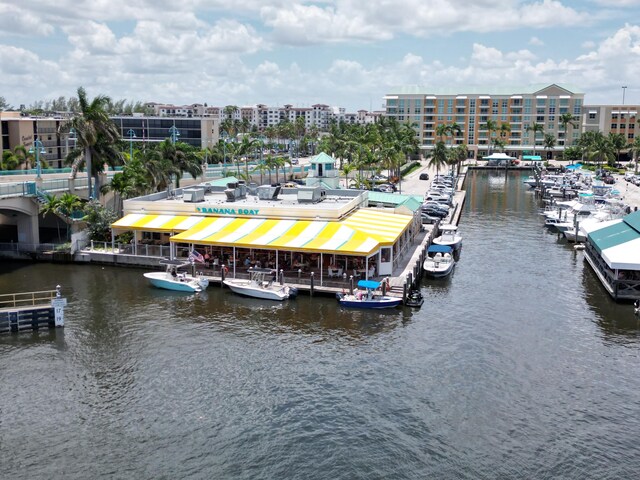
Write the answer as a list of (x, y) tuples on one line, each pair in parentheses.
[(175, 133), (70, 136), (132, 135), (38, 149), (624, 89), (224, 153)]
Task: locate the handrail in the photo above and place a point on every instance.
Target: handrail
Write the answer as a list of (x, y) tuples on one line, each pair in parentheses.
[(27, 299)]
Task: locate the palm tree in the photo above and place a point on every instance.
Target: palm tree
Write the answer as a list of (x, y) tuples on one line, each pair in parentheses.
[(67, 206), (51, 206), (535, 128), (461, 154), (96, 136), (600, 149), (438, 156), (565, 120), (182, 157), (245, 147), (491, 126), (549, 142), (13, 159), (618, 142), (634, 150)]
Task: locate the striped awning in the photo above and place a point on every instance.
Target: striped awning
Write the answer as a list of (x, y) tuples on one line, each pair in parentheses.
[(295, 235), (384, 226), (156, 223)]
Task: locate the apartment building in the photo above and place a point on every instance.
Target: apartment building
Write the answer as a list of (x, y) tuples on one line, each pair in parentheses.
[(200, 132), (612, 119), (470, 109)]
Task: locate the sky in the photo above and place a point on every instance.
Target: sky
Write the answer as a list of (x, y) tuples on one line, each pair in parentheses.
[(347, 53)]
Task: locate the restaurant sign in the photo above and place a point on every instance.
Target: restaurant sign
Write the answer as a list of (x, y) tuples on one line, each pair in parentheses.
[(227, 211)]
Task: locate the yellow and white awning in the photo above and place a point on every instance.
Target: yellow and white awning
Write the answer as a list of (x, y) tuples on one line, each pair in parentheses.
[(295, 235), (156, 223), (384, 226)]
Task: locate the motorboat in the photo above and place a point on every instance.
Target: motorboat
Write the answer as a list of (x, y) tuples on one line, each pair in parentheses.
[(261, 284), (449, 236), (368, 296), (439, 262), (176, 278)]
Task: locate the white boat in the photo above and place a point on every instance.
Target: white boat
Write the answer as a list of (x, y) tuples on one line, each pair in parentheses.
[(439, 262), (261, 284), (449, 236), (175, 279), (367, 297)]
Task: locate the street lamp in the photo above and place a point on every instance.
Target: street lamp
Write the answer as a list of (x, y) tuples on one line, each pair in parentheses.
[(175, 133), (132, 135), (38, 148), (624, 89), (224, 153), (70, 136)]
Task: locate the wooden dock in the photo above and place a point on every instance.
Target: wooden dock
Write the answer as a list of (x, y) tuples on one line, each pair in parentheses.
[(31, 310)]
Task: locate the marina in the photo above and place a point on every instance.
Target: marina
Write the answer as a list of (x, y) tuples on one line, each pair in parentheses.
[(144, 380)]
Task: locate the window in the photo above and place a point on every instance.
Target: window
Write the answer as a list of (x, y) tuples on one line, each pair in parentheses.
[(614, 126), (614, 116), (632, 126), (505, 104), (540, 119), (630, 135), (494, 104), (592, 116)]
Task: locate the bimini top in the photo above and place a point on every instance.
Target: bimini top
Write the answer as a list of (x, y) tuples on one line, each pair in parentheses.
[(439, 249), (370, 284), (448, 227)]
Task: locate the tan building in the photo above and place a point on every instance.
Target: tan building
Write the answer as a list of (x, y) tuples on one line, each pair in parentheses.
[(470, 109), (612, 119)]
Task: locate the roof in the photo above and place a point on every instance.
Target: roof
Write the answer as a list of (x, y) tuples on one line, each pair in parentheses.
[(477, 90), (439, 249), (156, 223), (396, 199), (323, 158), (380, 224), (618, 242), (369, 284)]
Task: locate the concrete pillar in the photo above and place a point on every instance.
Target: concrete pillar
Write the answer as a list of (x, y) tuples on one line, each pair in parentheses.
[(28, 229)]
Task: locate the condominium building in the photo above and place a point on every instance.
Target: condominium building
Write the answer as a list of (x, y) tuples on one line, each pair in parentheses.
[(200, 132), (612, 119), (471, 109)]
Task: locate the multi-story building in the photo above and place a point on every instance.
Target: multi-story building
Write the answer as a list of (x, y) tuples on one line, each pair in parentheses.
[(471, 109), (612, 119)]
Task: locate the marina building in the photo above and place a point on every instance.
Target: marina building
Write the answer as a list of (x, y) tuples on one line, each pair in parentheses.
[(310, 228)]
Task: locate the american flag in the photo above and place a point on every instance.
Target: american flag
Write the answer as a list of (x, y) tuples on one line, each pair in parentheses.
[(194, 256)]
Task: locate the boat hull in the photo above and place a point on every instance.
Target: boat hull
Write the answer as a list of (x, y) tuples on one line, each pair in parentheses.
[(377, 303), (437, 269), (159, 280), (247, 289)]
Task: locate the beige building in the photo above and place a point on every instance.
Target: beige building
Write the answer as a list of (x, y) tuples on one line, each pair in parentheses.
[(520, 108), (612, 119)]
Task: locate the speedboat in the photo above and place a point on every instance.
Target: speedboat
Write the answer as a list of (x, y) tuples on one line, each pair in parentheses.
[(261, 284), (449, 236), (367, 296), (414, 299), (439, 262), (175, 279)]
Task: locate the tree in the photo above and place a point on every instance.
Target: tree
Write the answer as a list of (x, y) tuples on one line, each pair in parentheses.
[(182, 158), (461, 154), (618, 142), (535, 128), (438, 156), (565, 120), (99, 220), (4, 105), (96, 136), (491, 127), (50, 206), (634, 150), (549, 142), (68, 205), (20, 156)]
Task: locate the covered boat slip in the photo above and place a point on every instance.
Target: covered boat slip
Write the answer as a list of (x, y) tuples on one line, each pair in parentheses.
[(613, 250), (368, 233)]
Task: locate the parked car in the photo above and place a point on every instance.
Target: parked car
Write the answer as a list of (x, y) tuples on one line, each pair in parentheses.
[(424, 176), (432, 212), (429, 219), (436, 205)]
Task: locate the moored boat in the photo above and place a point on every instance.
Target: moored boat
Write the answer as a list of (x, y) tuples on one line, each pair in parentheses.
[(368, 297), (176, 280), (449, 236), (439, 262), (261, 284)]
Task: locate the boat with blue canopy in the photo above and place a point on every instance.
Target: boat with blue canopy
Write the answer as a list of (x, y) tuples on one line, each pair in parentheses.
[(439, 262), (368, 295)]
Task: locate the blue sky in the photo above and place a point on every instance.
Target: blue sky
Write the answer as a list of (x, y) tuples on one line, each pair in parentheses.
[(346, 53)]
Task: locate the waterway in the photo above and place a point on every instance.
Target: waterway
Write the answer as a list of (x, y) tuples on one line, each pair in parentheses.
[(519, 366)]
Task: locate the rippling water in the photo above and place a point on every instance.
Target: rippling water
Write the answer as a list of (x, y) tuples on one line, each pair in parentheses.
[(519, 366)]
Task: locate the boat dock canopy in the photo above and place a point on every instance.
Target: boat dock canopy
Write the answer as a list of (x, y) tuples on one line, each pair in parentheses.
[(532, 158), (439, 249), (619, 242), (368, 284)]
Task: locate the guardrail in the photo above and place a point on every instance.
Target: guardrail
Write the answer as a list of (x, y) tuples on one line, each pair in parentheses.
[(28, 299)]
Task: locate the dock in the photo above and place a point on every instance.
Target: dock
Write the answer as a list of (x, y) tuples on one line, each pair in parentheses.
[(31, 310)]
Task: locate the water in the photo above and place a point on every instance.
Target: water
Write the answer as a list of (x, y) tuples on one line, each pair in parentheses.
[(520, 366)]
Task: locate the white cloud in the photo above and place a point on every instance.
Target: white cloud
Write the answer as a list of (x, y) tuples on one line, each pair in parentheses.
[(16, 21), (535, 41)]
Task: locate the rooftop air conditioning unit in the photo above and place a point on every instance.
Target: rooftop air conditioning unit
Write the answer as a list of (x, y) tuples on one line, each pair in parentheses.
[(268, 192), (193, 195), (310, 194)]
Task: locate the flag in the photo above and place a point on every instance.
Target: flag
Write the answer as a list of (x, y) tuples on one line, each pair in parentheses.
[(194, 256)]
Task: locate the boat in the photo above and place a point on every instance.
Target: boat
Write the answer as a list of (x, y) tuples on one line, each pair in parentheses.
[(175, 279), (367, 296), (439, 262), (636, 307), (449, 236), (261, 284), (414, 299)]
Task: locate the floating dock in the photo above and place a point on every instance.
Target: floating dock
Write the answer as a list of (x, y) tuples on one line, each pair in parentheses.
[(31, 310)]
